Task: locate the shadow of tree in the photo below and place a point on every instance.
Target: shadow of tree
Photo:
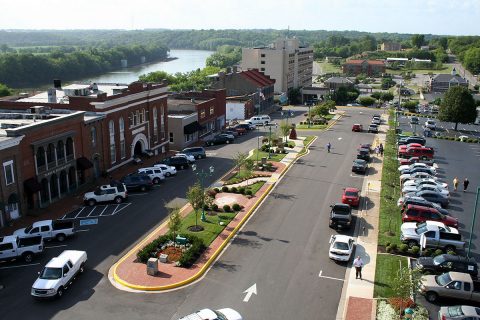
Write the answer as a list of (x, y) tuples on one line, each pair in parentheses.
[(225, 266)]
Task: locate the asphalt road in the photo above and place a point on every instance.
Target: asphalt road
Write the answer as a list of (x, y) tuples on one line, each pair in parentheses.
[(282, 249)]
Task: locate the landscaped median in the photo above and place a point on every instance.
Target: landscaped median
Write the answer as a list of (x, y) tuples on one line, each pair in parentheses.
[(190, 256)]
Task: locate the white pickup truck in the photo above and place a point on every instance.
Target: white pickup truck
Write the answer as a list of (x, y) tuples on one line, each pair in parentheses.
[(13, 247), (59, 273), (48, 229)]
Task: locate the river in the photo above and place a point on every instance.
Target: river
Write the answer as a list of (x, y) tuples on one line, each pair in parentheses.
[(187, 60)]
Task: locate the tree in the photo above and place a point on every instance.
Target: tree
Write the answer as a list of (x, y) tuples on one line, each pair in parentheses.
[(458, 106), (471, 60), (174, 222), (239, 160), (417, 40), (285, 129), (196, 198), (248, 168), (320, 110), (387, 96), (294, 95), (410, 106), (405, 283), (376, 95), (367, 101), (4, 90)]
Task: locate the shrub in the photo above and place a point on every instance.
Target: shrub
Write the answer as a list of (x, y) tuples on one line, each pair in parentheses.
[(226, 208), (415, 250), (427, 252), (400, 303), (385, 311), (387, 244), (206, 207), (224, 189), (438, 252), (189, 257), (234, 190), (393, 247), (216, 190), (215, 207), (241, 190), (211, 193), (248, 192), (403, 248), (451, 252), (420, 313), (146, 252), (389, 248), (236, 207)]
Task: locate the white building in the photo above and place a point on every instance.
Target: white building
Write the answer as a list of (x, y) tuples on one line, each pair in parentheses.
[(285, 61)]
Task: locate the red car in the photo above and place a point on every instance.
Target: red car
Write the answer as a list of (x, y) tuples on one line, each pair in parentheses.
[(423, 153), (241, 131), (410, 145), (357, 127), (351, 196), (414, 160), (415, 213)]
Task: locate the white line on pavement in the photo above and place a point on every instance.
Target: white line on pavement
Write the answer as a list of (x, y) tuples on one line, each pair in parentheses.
[(59, 246), (125, 205), (137, 194), (22, 265), (82, 230), (320, 276), (105, 208), (114, 210), (79, 212)]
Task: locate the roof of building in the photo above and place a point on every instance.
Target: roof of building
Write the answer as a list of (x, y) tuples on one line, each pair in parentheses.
[(257, 77), (374, 62), (340, 80), (445, 77)]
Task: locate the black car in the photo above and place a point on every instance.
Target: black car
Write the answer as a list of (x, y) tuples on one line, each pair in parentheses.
[(417, 201), (218, 139), (197, 152), (340, 216), (245, 126), (359, 165), (363, 154), (178, 162), (137, 182), (446, 263)]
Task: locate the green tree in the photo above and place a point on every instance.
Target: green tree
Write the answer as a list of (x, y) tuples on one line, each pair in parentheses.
[(4, 90), (387, 96), (471, 60), (417, 40), (157, 76), (405, 283), (458, 106), (320, 110), (410, 105), (285, 129), (239, 159), (376, 95), (248, 168), (367, 101), (196, 198), (174, 222)]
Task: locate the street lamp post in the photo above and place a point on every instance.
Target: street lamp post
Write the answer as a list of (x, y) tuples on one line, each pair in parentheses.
[(201, 175), (258, 146), (473, 222)]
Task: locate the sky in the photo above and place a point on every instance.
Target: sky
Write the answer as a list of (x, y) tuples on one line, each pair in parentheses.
[(446, 17)]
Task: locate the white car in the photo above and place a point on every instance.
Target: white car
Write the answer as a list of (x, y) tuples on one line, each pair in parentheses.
[(116, 192), (167, 170), (430, 124), (341, 247), (432, 182), (189, 157), (414, 165), (417, 175), (209, 314), (416, 188), (155, 174)]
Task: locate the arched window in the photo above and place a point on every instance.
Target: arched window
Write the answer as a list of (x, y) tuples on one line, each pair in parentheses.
[(155, 125), (69, 148), (41, 158), (50, 153), (121, 127), (111, 130), (60, 151)]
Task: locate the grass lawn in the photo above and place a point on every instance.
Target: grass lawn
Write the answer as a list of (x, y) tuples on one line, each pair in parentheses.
[(312, 127), (273, 156), (445, 69), (386, 270), (307, 140), (256, 186), (390, 218), (326, 67), (239, 175)]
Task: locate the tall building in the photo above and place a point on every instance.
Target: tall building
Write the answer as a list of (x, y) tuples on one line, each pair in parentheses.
[(285, 61)]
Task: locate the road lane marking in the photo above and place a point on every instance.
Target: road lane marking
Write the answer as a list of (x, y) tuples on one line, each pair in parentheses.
[(320, 276), (59, 246), (22, 265), (249, 292), (104, 208), (117, 211), (79, 212)]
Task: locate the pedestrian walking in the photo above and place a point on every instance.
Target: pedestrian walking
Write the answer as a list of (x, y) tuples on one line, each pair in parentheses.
[(358, 264), (465, 184), (455, 184), (377, 150), (380, 148), (329, 146)]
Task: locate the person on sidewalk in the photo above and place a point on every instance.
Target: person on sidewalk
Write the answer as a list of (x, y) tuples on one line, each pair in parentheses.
[(380, 148), (358, 264), (329, 146), (455, 184), (465, 184)]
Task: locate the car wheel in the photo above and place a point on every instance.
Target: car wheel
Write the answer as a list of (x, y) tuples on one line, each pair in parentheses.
[(156, 181), (92, 202), (60, 292), (28, 257), (61, 237), (181, 167), (82, 268), (450, 248), (143, 188), (118, 200), (227, 142), (431, 296), (168, 174), (412, 243), (204, 156)]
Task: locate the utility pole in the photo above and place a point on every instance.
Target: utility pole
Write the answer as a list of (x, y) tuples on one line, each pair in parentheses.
[(473, 222)]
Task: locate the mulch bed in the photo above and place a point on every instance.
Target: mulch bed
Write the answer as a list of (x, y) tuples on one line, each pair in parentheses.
[(174, 254)]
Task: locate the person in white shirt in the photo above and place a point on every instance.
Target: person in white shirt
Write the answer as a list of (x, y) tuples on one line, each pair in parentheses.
[(358, 264)]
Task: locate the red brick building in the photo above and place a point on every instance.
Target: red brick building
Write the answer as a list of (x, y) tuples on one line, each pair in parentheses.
[(368, 67)]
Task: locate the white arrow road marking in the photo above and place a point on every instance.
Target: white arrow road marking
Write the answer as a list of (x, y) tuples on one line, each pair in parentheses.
[(320, 276), (249, 292), (340, 138)]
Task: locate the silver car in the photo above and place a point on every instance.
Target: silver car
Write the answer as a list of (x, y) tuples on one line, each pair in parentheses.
[(458, 313)]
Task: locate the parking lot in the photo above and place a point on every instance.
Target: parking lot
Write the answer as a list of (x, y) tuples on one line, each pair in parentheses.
[(95, 211), (443, 128)]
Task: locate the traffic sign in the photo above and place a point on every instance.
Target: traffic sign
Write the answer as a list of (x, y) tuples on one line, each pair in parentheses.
[(88, 222)]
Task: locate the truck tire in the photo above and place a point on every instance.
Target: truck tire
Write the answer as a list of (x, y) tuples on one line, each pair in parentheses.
[(118, 200), (60, 292), (82, 268), (156, 181), (92, 202), (431, 296), (412, 243), (167, 174), (61, 237), (143, 188), (450, 248), (27, 257)]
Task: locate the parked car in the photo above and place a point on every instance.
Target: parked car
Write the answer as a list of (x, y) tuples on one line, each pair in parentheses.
[(367, 146), (432, 196), (451, 285), (340, 216), (233, 133), (431, 124), (155, 174), (412, 139), (414, 120), (259, 120), (59, 274), (48, 230), (429, 170), (363, 154), (419, 201), (423, 153), (411, 160), (246, 126), (167, 170), (373, 128), (218, 139), (137, 182), (376, 121), (459, 313), (446, 263), (190, 158), (241, 130), (209, 314), (414, 176), (415, 165), (341, 247), (197, 152), (437, 235), (351, 196), (116, 192), (178, 162), (421, 214), (360, 165), (14, 247), (432, 182), (423, 187), (229, 136), (357, 127)]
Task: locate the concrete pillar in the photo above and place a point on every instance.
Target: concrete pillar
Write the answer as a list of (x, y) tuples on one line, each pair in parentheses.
[(36, 165)]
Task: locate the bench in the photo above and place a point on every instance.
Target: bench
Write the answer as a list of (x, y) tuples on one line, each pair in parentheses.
[(180, 240)]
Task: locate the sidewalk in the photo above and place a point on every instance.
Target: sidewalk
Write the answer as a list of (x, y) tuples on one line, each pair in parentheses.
[(357, 301), (129, 275)]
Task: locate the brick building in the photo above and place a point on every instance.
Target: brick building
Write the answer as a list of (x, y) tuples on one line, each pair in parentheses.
[(368, 67)]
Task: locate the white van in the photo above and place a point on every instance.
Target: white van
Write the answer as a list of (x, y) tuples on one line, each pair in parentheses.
[(260, 120)]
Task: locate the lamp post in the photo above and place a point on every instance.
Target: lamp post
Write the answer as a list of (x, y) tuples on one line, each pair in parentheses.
[(258, 146), (473, 222), (309, 115), (201, 175)]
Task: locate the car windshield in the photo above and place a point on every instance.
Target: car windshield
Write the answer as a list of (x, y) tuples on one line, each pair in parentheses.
[(351, 193), (341, 210), (28, 229), (421, 229), (443, 279), (51, 273), (340, 246), (455, 311), (359, 162), (220, 316), (438, 260)]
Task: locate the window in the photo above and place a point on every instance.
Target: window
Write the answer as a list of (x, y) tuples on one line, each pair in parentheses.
[(6, 246), (262, 55), (162, 123), (212, 110), (111, 129), (9, 175), (155, 125), (121, 126), (188, 137), (262, 62), (135, 118), (202, 114), (65, 269), (466, 286), (44, 229), (171, 137), (262, 69), (93, 136), (131, 119), (142, 116)]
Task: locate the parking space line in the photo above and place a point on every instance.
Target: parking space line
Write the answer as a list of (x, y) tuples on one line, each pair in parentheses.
[(104, 208), (59, 246), (320, 276), (114, 210), (22, 265), (137, 194), (117, 211), (79, 212), (82, 230)]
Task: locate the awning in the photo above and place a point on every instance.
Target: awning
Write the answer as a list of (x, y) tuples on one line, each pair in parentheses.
[(32, 185), (83, 163), (192, 128)]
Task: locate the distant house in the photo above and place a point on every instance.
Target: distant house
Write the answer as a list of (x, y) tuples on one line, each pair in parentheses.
[(390, 46), (364, 88), (425, 48), (443, 82), (368, 67), (337, 82), (399, 61)]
